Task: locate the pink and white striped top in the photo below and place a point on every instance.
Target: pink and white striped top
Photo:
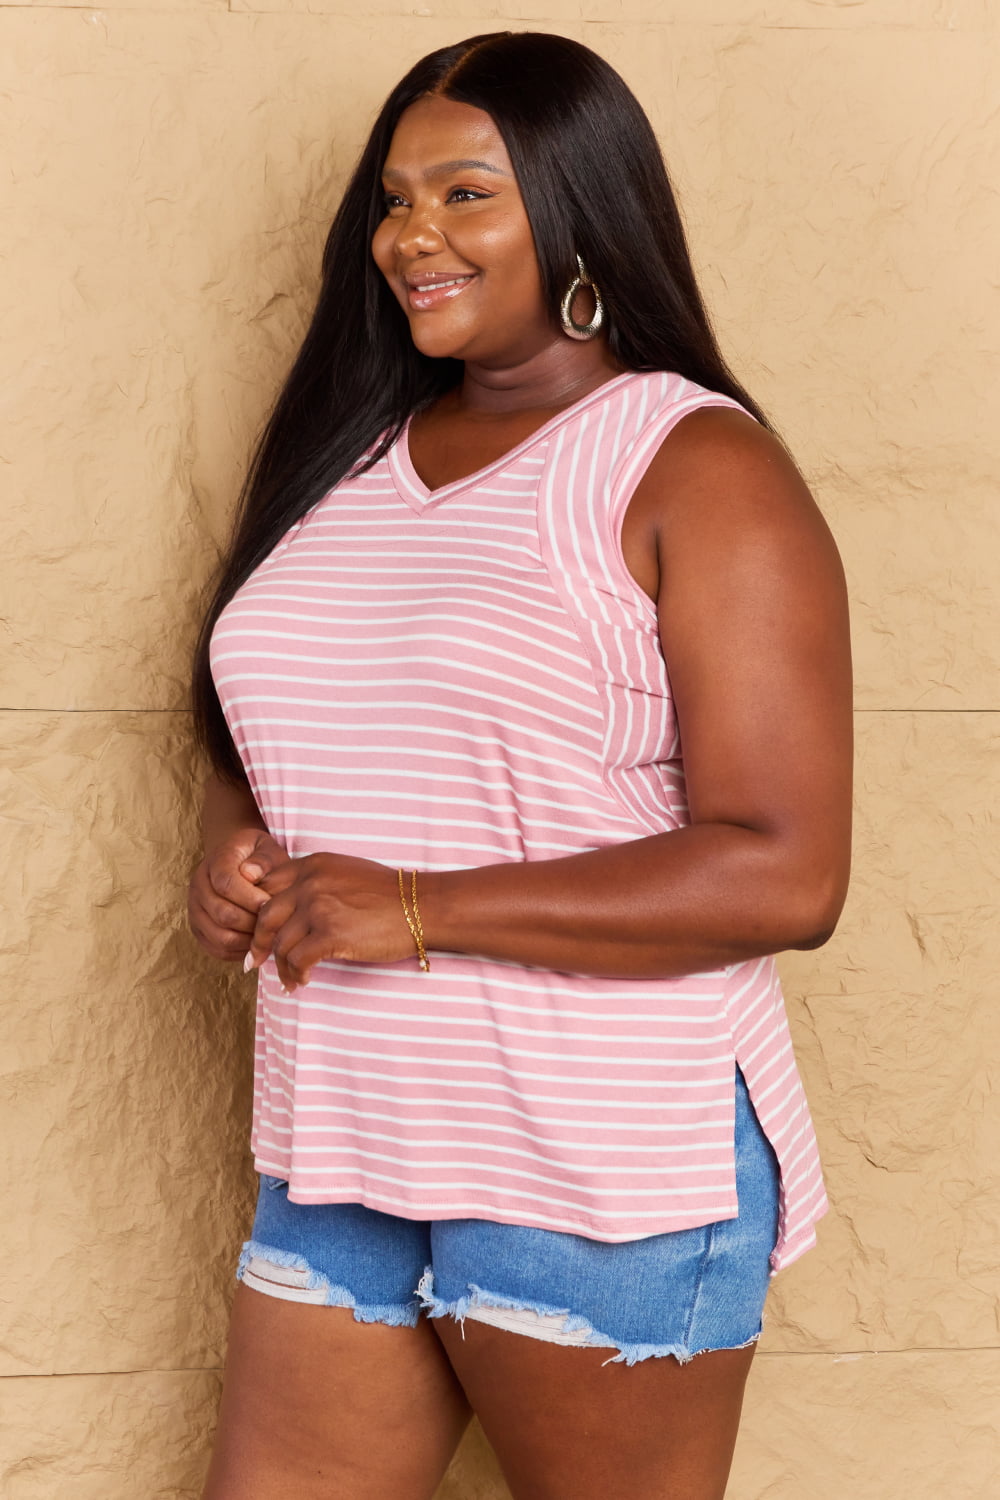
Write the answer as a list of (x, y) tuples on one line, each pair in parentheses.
[(461, 677)]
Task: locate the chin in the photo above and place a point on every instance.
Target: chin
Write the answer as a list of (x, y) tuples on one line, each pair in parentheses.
[(438, 344)]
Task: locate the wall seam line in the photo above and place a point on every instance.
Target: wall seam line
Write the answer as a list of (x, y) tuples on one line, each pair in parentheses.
[(843, 1355)]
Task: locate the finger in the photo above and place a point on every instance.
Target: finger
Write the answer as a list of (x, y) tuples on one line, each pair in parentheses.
[(270, 919), (226, 881), (265, 856), (302, 957), (218, 942), (281, 877), (201, 894), (291, 938), (230, 947), (224, 914)]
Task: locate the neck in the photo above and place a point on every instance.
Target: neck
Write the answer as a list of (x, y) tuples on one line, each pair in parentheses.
[(562, 372)]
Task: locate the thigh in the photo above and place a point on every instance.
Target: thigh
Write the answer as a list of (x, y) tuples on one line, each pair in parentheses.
[(566, 1424), (617, 1369), (334, 1386), (317, 1406)]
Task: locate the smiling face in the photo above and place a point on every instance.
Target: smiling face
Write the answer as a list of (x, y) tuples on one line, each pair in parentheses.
[(456, 245)]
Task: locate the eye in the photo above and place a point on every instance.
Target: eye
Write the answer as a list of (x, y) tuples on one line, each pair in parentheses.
[(466, 195), (391, 201)]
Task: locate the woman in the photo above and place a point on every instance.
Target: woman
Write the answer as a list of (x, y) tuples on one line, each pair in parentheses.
[(522, 1064)]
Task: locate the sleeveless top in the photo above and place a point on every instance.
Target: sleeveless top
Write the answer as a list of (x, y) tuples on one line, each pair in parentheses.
[(445, 679)]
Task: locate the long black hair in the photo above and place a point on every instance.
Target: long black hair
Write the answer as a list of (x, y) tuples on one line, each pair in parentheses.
[(593, 183)]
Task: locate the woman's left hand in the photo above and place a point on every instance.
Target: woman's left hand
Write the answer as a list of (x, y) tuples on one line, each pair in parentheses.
[(329, 906)]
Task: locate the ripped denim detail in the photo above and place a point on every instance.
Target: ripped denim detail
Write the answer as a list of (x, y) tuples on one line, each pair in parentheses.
[(303, 1284), (477, 1299)]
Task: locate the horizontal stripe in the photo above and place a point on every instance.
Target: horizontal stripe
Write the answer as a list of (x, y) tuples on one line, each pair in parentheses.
[(539, 737), (515, 754), (330, 619), (354, 522), (424, 1103), (307, 1023), (662, 1189), (652, 1106), (504, 1148), (248, 601), (472, 676), (468, 1065), (252, 655), (572, 1048), (455, 710), (355, 794), (495, 1005), (343, 1128)]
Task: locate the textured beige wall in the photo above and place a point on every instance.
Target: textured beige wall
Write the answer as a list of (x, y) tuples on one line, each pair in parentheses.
[(168, 172)]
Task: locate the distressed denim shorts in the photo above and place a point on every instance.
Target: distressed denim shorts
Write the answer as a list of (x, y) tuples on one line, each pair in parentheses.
[(679, 1294)]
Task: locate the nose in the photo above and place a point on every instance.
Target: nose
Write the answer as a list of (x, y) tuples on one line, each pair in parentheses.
[(418, 233)]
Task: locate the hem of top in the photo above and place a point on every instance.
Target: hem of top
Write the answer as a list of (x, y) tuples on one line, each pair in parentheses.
[(787, 1251), (625, 1230)]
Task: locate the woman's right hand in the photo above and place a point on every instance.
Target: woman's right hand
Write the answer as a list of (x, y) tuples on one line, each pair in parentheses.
[(224, 895)]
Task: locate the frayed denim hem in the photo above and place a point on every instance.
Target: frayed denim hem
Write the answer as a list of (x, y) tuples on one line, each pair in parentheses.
[(395, 1316), (628, 1354), (436, 1307), (633, 1354)]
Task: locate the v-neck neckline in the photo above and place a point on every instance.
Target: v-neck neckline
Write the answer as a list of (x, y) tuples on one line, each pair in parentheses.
[(421, 497)]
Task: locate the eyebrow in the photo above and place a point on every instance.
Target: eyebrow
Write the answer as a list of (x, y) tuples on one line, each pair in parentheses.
[(445, 169)]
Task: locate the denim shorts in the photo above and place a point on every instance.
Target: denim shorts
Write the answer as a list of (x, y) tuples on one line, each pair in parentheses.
[(679, 1294)]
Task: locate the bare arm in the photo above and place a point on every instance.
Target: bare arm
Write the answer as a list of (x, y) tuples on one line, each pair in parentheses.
[(226, 810), (724, 536), (753, 620)]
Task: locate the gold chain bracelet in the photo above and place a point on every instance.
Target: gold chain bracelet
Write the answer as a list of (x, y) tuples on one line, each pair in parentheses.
[(413, 922)]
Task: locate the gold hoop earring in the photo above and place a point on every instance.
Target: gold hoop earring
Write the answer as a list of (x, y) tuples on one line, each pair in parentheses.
[(570, 327)]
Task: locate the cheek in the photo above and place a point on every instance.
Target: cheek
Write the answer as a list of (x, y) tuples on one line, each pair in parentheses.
[(382, 247), (510, 250), (528, 275), (521, 249)]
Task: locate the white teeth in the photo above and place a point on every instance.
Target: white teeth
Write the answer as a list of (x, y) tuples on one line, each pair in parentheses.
[(436, 286)]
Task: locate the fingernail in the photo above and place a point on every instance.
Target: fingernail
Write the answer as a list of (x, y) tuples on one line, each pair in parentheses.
[(252, 872), (249, 962)]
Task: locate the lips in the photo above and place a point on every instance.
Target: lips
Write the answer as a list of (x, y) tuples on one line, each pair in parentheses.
[(435, 289)]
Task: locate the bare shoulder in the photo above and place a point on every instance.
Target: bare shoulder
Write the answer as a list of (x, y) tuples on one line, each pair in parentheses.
[(720, 486), (724, 455)]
